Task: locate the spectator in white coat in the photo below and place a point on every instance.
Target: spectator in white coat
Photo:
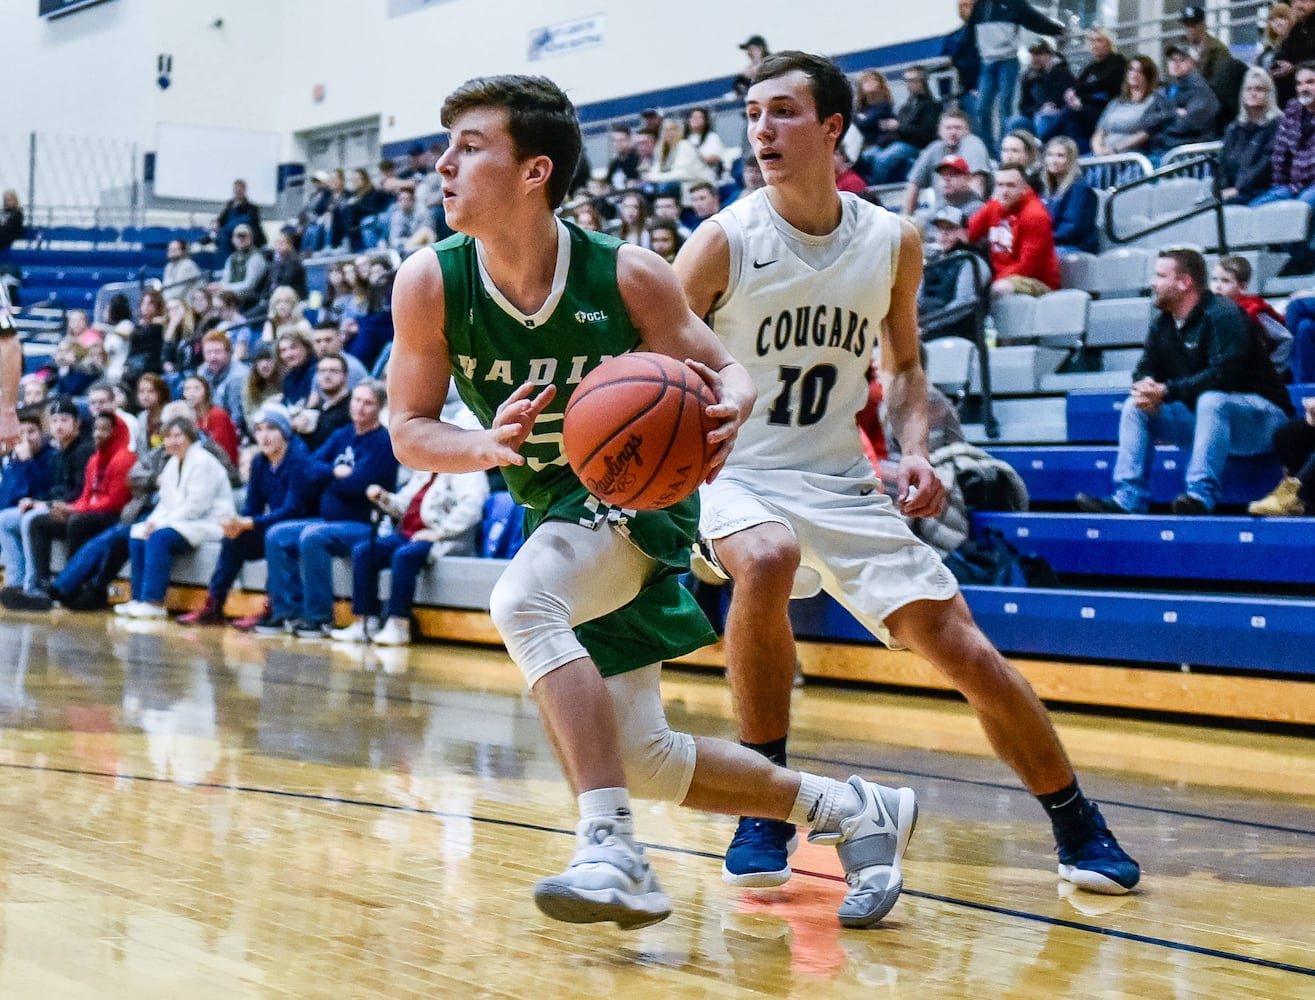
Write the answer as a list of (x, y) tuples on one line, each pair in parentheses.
[(195, 500)]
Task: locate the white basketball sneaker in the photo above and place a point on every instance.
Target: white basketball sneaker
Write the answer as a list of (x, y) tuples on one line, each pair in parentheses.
[(359, 630), (396, 632), (871, 844), (608, 879)]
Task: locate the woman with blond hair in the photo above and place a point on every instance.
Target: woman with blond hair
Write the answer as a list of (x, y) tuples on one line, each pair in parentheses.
[(1278, 22), (1068, 198), (182, 343), (285, 314), (1097, 84), (1245, 165), (677, 161)]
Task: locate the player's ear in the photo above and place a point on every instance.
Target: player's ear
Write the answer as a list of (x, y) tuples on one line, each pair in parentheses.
[(537, 171), (835, 128)]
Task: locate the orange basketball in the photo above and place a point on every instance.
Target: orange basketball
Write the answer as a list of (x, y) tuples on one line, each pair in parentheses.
[(636, 431)]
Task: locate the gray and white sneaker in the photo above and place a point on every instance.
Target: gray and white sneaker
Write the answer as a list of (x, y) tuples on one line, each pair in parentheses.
[(608, 879), (871, 844)]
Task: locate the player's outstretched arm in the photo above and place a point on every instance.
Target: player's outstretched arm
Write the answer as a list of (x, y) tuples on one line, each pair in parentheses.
[(657, 306), (11, 373), (418, 376), (904, 383)]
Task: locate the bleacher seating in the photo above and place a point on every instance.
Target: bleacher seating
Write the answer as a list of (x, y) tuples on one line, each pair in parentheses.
[(1250, 549), (1269, 635), (1058, 474), (1094, 415), (64, 266)]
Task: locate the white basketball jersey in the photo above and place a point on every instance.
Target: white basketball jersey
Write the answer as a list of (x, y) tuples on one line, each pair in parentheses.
[(802, 313)]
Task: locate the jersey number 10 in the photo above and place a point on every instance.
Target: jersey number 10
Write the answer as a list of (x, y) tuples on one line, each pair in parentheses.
[(814, 388)]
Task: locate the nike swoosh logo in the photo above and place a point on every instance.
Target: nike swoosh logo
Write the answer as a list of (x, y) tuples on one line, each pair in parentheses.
[(812, 813), (763, 263)]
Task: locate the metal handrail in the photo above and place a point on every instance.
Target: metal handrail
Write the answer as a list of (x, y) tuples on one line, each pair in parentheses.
[(1214, 204), (982, 286), (1117, 166)]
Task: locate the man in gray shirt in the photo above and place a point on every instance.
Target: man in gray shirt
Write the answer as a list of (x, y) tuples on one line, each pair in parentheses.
[(956, 140)]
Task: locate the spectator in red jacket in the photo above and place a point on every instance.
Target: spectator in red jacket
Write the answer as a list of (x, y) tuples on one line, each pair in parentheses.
[(105, 492), (1022, 240), (210, 419)]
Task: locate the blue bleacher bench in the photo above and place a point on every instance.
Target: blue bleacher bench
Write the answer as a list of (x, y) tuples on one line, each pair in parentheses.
[(1267, 635), (1059, 473), (1093, 415), (1209, 547)]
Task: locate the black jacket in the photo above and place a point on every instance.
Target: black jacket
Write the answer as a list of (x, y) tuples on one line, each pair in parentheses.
[(1244, 162), (918, 118), (1217, 349), (69, 467), (1097, 85), (1037, 89), (286, 271)]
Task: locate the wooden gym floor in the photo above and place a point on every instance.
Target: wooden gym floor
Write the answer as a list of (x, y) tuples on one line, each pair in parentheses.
[(194, 813)]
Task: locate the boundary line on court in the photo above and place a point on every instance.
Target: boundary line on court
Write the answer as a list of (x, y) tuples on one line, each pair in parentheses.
[(520, 825)]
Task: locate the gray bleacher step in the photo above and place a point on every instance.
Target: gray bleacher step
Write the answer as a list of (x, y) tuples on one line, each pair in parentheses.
[(1069, 381), (1289, 285), (1042, 418)]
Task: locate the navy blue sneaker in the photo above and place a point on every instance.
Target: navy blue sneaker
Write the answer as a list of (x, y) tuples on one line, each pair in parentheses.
[(1097, 863), (759, 855)]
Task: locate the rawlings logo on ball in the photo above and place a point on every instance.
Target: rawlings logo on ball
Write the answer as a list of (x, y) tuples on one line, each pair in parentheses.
[(618, 474)]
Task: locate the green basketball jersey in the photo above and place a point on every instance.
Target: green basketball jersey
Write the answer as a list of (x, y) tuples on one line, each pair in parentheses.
[(492, 353)]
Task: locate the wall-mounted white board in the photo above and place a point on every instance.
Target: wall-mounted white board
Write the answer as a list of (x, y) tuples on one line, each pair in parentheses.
[(198, 162)]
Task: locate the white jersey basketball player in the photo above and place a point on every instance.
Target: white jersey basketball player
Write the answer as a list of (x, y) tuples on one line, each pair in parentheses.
[(801, 283)]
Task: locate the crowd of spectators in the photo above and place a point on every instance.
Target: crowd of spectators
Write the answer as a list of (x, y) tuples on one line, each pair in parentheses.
[(243, 409), (242, 412)]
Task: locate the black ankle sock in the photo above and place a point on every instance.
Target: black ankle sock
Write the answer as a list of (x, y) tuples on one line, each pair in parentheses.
[(773, 751), (1068, 812)]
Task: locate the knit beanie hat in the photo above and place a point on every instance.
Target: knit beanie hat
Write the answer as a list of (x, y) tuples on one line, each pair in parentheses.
[(276, 417)]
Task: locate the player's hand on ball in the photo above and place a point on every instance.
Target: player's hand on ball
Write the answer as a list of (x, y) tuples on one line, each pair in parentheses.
[(729, 411), (921, 492), (514, 422)]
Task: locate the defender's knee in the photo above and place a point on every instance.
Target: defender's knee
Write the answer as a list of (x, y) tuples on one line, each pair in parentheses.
[(760, 558), (660, 766)]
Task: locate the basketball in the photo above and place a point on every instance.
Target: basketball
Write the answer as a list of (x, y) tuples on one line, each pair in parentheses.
[(636, 431)]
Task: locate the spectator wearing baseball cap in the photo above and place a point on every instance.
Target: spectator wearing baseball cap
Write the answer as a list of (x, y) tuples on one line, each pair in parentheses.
[(948, 295), (1192, 109), (958, 186), (244, 270), (1213, 60), (756, 48)]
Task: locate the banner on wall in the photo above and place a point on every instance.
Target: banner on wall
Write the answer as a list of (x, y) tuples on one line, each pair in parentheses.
[(569, 36)]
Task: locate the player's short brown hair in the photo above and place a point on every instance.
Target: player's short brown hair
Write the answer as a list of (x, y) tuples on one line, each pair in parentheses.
[(832, 92), (540, 118)]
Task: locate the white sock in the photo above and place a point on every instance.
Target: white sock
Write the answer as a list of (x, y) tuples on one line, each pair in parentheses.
[(608, 803), (823, 802)]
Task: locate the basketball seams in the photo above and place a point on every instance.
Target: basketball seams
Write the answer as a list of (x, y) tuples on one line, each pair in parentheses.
[(662, 447)]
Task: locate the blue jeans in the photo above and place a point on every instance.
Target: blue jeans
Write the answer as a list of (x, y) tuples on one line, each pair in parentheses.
[(405, 558), (95, 560), (997, 88), (233, 554), (1224, 423), (11, 546), (152, 560), (1283, 194), (890, 165), (299, 555), (1301, 321)]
